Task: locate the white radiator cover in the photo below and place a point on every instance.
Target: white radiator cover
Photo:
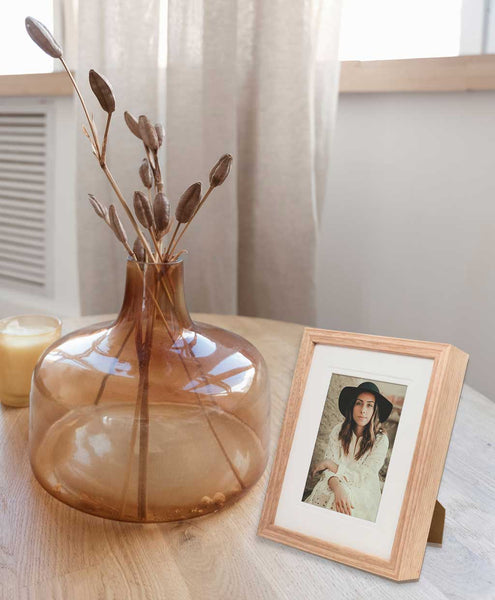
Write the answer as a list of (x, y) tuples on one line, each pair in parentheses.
[(38, 245), (25, 189)]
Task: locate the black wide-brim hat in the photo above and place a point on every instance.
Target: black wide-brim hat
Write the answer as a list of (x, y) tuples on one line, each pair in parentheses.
[(350, 393)]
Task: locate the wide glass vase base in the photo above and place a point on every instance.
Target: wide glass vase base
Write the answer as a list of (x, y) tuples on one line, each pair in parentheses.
[(152, 418), (191, 476)]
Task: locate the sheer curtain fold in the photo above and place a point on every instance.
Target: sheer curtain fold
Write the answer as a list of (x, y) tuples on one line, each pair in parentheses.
[(120, 41), (256, 79)]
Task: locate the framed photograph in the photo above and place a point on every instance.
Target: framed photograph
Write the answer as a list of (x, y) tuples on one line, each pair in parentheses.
[(362, 449)]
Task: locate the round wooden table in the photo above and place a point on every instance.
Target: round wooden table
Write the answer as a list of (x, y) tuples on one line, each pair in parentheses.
[(50, 551)]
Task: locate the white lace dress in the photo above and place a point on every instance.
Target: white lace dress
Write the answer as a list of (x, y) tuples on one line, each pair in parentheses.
[(359, 477)]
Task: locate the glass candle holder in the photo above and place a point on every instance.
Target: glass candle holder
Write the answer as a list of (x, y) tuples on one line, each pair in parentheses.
[(23, 339)]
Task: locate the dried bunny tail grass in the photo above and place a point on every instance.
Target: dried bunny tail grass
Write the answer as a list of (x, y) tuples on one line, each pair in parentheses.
[(43, 38), (160, 133), (102, 90), (188, 203), (132, 123), (148, 133), (139, 251), (142, 209), (161, 212), (146, 174), (221, 170), (98, 207)]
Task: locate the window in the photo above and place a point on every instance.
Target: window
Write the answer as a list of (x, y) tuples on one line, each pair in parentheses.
[(393, 29), (18, 54)]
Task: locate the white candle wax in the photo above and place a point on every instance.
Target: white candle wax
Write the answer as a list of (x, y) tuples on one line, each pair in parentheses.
[(23, 340)]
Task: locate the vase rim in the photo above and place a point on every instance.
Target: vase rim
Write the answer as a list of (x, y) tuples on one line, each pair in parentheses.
[(160, 264)]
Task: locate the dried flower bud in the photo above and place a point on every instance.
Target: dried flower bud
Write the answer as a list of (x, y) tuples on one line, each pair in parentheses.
[(102, 90), (99, 209), (160, 132), (146, 174), (116, 225), (43, 38), (148, 133), (132, 124), (161, 212), (220, 171), (143, 211), (188, 203), (138, 250)]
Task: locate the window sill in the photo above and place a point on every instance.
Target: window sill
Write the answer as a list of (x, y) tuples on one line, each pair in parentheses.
[(449, 74), (36, 84)]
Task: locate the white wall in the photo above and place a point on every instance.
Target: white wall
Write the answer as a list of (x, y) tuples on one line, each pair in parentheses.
[(407, 243)]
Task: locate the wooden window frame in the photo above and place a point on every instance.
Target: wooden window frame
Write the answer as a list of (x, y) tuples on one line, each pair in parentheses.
[(448, 74)]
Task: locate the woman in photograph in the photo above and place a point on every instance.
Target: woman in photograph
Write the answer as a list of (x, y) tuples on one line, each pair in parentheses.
[(355, 453)]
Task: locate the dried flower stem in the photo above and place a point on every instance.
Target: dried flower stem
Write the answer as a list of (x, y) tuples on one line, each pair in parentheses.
[(144, 417), (105, 140), (156, 244), (132, 443), (128, 211), (172, 248), (176, 256), (169, 247), (83, 104)]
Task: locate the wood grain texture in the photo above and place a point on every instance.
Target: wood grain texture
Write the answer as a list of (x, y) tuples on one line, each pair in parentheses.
[(49, 551), (435, 535), (36, 84), (446, 74)]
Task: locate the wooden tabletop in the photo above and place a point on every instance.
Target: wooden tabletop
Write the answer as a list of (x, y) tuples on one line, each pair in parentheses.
[(49, 551)]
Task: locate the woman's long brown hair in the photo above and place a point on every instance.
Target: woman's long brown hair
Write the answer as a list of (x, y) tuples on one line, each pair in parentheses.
[(371, 430)]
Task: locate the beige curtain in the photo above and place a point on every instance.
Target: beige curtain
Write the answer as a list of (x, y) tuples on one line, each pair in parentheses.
[(120, 41), (256, 79)]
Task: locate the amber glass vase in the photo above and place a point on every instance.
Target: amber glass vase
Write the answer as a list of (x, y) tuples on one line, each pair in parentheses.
[(153, 417)]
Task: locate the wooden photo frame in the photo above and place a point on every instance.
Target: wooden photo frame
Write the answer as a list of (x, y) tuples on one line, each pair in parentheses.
[(387, 530)]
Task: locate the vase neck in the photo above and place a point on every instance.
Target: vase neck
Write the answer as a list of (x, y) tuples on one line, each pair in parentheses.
[(158, 290)]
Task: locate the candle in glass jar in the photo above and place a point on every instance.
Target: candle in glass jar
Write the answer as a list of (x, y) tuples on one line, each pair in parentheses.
[(23, 340)]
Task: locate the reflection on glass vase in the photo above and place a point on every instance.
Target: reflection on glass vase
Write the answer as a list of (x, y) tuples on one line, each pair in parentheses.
[(153, 417)]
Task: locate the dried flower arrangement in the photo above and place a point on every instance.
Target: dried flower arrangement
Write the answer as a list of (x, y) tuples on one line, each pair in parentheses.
[(170, 382), (153, 215)]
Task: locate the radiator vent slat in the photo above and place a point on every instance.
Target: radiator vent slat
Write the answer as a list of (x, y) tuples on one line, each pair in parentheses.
[(25, 252), (32, 194), (12, 178), (14, 210), (23, 197)]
